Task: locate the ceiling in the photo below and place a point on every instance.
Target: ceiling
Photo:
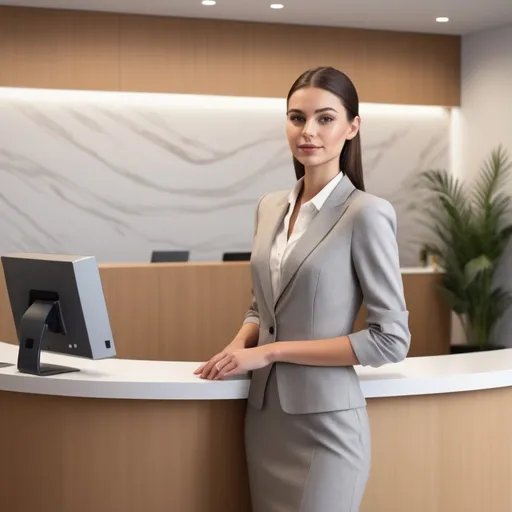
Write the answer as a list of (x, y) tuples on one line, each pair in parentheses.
[(404, 15)]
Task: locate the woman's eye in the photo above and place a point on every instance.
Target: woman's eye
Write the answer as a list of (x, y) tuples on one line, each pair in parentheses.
[(301, 119)]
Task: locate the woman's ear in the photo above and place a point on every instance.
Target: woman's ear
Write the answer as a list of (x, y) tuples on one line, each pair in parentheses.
[(354, 128)]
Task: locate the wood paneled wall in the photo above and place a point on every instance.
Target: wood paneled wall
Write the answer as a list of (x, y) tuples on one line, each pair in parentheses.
[(59, 49), (190, 311)]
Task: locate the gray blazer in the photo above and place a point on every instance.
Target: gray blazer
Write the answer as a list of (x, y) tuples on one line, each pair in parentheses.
[(348, 255)]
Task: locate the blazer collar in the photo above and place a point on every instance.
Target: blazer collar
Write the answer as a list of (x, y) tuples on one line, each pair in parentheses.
[(332, 210), (319, 200), (337, 197)]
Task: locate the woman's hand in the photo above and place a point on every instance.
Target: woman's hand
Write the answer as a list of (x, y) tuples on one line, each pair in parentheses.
[(209, 370), (235, 360), (244, 360)]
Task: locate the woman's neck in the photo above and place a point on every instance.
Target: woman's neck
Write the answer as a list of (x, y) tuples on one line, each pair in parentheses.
[(315, 180)]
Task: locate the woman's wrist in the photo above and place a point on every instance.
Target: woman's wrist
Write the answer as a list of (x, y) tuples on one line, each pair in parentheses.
[(271, 351)]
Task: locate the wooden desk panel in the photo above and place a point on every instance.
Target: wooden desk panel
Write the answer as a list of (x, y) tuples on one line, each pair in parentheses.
[(188, 311), (435, 453)]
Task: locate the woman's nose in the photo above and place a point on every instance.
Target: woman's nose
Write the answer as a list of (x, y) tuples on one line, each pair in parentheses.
[(308, 130)]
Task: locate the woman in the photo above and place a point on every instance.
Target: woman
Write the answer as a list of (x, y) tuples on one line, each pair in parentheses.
[(318, 252)]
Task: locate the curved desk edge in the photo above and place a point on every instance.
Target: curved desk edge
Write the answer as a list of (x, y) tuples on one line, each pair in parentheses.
[(157, 380)]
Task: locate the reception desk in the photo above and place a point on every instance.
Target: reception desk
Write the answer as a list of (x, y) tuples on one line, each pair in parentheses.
[(189, 311), (132, 436)]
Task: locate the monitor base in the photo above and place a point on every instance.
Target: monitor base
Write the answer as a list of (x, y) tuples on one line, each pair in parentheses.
[(5, 365), (45, 370), (40, 317)]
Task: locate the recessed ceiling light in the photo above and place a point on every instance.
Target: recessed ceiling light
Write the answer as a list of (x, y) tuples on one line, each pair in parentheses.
[(208, 2), (276, 6), (442, 19)]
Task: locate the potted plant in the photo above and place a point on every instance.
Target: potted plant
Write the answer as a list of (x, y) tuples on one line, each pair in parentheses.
[(469, 227)]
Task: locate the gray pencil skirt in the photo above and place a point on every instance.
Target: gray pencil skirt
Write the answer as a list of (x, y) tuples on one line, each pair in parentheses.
[(306, 462)]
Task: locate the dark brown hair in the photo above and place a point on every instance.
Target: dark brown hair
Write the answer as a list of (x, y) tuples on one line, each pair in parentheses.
[(340, 85)]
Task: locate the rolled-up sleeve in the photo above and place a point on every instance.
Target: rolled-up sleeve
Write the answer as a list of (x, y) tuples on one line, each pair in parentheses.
[(252, 315), (375, 257)]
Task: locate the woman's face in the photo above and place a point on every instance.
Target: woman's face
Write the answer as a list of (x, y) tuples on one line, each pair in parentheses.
[(317, 126)]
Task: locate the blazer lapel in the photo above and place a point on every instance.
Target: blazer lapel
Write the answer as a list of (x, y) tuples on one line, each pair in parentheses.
[(270, 223), (327, 217)]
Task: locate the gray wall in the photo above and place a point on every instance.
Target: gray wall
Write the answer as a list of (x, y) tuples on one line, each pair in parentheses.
[(487, 119)]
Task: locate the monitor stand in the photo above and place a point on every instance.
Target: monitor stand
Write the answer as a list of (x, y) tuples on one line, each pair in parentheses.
[(5, 365), (40, 317)]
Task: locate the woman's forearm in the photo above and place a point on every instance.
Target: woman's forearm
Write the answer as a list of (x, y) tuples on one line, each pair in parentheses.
[(326, 352)]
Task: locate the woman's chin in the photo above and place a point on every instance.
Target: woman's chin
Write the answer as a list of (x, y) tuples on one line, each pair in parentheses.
[(310, 160)]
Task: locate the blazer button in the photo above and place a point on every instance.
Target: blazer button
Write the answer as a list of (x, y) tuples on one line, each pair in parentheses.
[(271, 330)]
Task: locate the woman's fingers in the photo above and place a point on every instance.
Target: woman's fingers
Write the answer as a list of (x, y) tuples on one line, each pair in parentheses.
[(223, 363), (210, 364), (220, 363), (227, 370), (199, 369), (219, 366)]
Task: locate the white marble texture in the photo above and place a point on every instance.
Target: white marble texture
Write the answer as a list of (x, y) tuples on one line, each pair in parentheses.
[(117, 175)]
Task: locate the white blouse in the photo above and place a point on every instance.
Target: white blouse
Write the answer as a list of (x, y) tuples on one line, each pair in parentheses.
[(282, 246)]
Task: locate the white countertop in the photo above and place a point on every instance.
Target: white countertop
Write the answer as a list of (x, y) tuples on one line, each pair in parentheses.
[(420, 270), (156, 380)]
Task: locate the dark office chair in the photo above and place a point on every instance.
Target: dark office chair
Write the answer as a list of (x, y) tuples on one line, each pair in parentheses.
[(236, 256), (169, 256)]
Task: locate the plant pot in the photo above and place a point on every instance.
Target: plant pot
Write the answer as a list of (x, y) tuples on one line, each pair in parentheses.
[(466, 349)]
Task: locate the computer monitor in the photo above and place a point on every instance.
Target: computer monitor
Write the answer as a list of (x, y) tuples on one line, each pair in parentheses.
[(169, 256), (58, 305), (236, 256)]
